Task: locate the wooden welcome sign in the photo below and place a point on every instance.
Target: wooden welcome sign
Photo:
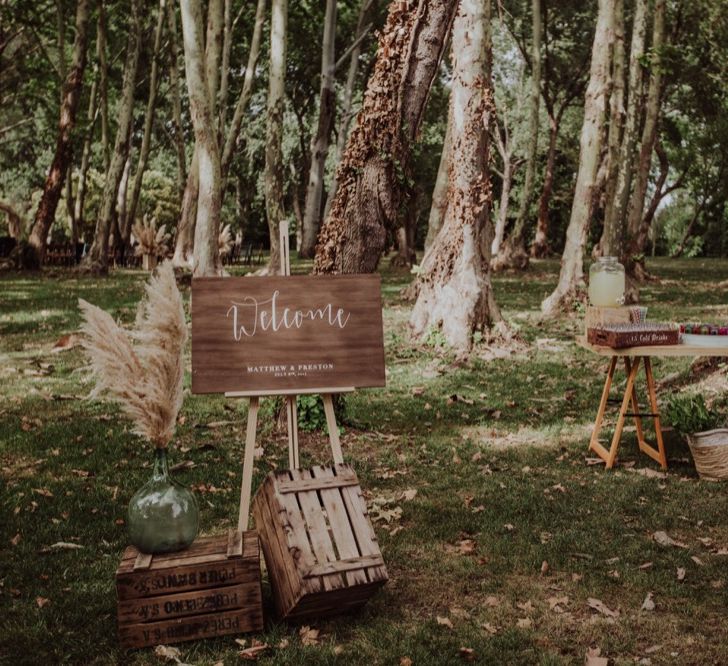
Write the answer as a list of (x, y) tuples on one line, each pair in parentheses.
[(271, 334)]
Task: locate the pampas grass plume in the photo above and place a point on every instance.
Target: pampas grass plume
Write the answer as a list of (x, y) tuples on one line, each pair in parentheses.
[(143, 369)]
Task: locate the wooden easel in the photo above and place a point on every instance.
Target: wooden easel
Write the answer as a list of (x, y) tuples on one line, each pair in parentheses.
[(291, 411)]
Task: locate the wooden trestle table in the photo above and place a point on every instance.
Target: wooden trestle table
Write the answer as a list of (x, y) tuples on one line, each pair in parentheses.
[(633, 358)]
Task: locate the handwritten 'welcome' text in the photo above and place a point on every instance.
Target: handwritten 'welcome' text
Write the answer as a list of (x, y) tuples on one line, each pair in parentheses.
[(252, 315)]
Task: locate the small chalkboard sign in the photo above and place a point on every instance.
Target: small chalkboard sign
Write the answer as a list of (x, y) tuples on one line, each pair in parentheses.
[(278, 334)]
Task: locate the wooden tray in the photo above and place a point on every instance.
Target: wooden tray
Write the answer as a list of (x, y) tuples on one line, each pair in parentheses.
[(619, 336), (319, 546), (210, 589)]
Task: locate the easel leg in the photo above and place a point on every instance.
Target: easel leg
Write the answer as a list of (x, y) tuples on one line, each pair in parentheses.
[(594, 444), (244, 512), (622, 411), (661, 456), (333, 429), (292, 413)]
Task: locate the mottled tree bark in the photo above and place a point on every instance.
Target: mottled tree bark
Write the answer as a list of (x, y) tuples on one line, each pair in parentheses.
[(346, 114), (320, 140), (129, 218), (373, 173), (595, 107), (207, 222), (455, 294), (513, 252), (46, 212), (97, 260), (273, 177)]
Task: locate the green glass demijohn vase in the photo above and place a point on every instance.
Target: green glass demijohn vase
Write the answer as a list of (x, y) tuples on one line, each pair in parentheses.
[(163, 515)]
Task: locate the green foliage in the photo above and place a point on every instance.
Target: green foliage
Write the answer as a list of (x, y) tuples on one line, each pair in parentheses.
[(688, 413), (311, 415)]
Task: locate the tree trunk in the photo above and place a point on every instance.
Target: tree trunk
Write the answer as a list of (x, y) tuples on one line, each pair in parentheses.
[(97, 260), (455, 294), (320, 140), (273, 176), (207, 223), (46, 211), (503, 204), (513, 252), (639, 270), (628, 146), (179, 141), (184, 242), (15, 221), (541, 247), (212, 48), (438, 207), (103, 85), (346, 113), (373, 174), (649, 130), (613, 234), (86, 155), (128, 219), (406, 256), (245, 93), (595, 107)]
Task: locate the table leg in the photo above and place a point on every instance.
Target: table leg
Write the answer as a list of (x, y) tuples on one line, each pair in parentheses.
[(628, 391), (659, 453), (594, 444), (635, 406)]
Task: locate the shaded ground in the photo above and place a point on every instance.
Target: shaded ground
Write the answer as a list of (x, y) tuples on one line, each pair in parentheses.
[(495, 448)]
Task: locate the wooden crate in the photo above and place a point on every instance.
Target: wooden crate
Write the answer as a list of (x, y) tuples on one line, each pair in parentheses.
[(210, 589), (319, 545)]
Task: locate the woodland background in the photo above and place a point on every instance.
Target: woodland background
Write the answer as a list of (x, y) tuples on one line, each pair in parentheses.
[(125, 149)]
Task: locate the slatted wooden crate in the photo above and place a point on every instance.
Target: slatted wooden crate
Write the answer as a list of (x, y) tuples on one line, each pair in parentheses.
[(210, 589), (319, 545)]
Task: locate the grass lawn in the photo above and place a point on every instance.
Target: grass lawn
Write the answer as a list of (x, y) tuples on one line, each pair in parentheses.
[(510, 533)]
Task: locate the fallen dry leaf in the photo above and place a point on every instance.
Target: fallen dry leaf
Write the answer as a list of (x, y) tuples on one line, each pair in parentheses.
[(492, 601), (61, 545), (593, 658), (524, 623), (648, 472), (309, 636), (16, 539), (681, 573), (664, 540), (167, 653), (41, 601), (556, 602), (444, 622), (405, 661), (409, 495), (601, 607), (253, 652), (489, 628), (648, 604), (65, 342), (467, 654)]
